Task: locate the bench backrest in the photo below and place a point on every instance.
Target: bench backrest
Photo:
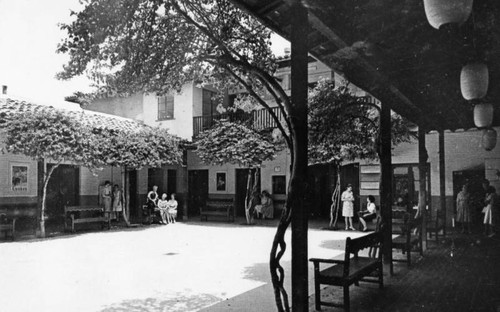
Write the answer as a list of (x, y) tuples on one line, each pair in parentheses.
[(19, 212), (82, 208), (219, 202), (353, 246)]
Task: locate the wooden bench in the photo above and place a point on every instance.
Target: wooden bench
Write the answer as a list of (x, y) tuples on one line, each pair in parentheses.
[(85, 214), (218, 207), (410, 239), (9, 218), (350, 270)]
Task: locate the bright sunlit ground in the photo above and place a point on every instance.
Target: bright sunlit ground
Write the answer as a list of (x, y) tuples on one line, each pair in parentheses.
[(179, 267)]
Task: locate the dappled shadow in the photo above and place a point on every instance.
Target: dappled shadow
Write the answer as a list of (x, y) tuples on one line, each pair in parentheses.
[(260, 271), (178, 303)]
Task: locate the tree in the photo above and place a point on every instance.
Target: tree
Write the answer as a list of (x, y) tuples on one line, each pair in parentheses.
[(236, 143), (128, 46), (345, 127), (58, 136)]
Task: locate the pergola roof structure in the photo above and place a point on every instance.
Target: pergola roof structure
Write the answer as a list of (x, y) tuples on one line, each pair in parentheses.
[(12, 107), (388, 48)]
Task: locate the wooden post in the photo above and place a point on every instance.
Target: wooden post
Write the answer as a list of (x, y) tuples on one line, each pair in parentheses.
[(386, 180), (298, 114), (422, 194), (442, 179)]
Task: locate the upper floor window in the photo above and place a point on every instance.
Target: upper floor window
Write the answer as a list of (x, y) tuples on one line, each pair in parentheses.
[(209, 107), (165, 107)]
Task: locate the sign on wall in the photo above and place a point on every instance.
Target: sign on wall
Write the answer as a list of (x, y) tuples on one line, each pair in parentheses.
[(221, 181), (19, 178)]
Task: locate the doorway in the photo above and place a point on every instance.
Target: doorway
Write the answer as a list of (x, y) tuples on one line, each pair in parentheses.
[(63, 190), (134, 202), (349, 174), (198, 191)]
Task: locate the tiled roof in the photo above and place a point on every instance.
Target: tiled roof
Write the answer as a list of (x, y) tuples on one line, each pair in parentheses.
[(12, 107)]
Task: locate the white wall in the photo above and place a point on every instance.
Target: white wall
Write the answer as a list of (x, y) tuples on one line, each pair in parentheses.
[(463, 151), (182, 123)]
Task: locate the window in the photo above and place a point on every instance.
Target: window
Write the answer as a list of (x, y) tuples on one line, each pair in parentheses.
[(279, 184), (209, 107), (165, 107)]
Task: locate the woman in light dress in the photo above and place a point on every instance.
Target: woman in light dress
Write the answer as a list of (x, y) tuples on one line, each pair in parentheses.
[(463, 210), (117, 201), (163, 206), (348, 207), (172, 209)]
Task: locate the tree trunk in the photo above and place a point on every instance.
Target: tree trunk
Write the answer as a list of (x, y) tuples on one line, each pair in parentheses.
[(250, 200), (334, 208), (47, 176), (126, 197)]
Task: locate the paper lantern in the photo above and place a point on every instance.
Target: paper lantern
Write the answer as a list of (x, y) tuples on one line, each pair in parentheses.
[(483, 115), (440, 12), (474, 81), (489, 140)]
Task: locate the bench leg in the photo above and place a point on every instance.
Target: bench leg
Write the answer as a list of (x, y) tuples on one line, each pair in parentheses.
[(317, 295), (347, 306), (381, 276)]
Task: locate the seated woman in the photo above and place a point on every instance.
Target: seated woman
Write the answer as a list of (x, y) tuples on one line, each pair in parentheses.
[(172, 209), (265, 209), (369, 214), (163, 206)]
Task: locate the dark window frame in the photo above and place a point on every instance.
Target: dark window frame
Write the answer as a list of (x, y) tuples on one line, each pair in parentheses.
[(166, 104)]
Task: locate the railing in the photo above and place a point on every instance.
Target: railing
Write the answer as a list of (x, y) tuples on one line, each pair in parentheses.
[(259, 119)]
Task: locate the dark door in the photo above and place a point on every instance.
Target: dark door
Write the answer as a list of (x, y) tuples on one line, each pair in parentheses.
[(241, 190), (133, 196), (321, 183), (198, 190), (155, 177), (171, 181), (63, 189)]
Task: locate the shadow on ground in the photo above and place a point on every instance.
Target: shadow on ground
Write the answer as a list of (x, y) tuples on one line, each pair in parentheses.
[(179, 302)]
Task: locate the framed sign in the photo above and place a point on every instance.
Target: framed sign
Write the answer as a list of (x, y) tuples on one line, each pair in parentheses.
[(220, 178), (19, 178)]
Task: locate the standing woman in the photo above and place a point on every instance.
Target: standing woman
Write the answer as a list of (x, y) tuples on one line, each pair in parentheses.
[(106, 196), (117, 201), (348, 207), (463, 209)]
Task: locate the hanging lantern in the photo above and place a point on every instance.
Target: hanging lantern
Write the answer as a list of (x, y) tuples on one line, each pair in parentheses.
[(483, 115), (440, 12), (474, 81), (489, 140)]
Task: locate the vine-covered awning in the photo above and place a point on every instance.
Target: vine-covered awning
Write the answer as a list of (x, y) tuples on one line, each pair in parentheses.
[(12, 107), (389, 49)]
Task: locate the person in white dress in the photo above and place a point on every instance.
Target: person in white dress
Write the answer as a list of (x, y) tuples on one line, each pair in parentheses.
[(348, 207)]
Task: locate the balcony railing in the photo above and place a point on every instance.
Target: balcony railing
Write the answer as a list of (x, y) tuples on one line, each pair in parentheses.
[(259, 119)]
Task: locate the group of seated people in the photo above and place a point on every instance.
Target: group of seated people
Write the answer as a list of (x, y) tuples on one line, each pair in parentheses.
[(166, 208)]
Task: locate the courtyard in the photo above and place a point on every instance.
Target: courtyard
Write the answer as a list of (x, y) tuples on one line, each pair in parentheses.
[(178, 267)]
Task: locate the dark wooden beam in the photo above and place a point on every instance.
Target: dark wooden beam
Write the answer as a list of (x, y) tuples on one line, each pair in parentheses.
[(442, 179), (422, 194), (386, 180), (298, 114)]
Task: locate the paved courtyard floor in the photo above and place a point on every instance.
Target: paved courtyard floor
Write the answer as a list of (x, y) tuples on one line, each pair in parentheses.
[(179, 267)]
